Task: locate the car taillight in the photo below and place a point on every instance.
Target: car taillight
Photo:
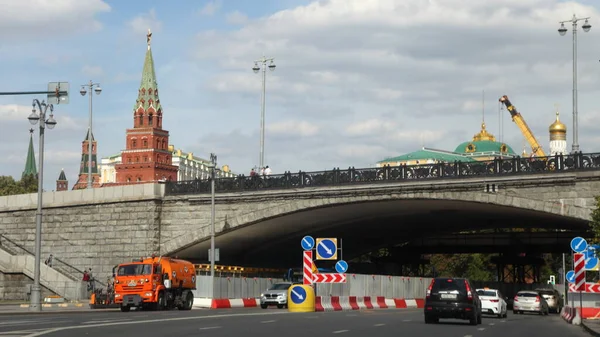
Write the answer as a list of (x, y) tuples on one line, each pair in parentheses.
[(537, 299), (494, 301), (469, 293), (429, 289), (516, 299)]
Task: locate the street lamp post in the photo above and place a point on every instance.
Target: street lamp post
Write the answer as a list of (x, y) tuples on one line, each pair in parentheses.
[(83, 91), (213, 169), (562, 31), (51, 123), (258, 65)]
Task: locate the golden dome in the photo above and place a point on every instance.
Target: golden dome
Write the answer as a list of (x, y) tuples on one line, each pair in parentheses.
[(483, 135), (557, 126)]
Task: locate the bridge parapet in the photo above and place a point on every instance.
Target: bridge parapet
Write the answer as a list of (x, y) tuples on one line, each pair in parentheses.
[(394, 174)]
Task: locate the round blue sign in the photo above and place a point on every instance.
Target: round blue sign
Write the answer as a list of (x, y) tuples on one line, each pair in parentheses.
[(570, 276), (326, 249), (591, 263), (298, 294), (307, 243), (341, 266), (578, 244)]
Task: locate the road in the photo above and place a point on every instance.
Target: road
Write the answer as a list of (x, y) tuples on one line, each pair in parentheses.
[(273, 322)]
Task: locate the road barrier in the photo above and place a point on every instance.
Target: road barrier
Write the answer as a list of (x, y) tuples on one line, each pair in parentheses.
[(322, 303)]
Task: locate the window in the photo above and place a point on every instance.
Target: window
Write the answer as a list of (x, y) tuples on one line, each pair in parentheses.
[(134, 143), (141, 122), (139, 179), (145, 159), (150, 119), (137, 159), (128, 179), (145, 144)]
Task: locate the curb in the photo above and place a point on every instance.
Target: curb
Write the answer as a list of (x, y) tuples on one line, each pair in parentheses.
[(590, 330), (54, 312), (56, 305)]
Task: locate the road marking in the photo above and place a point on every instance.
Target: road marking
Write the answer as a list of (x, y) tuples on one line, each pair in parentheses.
[(503, 321), (492, 323), (351, 315), (209, 328), (311, 317), (340, 331), (379, 324), (406, 320), (87, 326), (468, 336), (108, 321), (271, 321), (481, 329)]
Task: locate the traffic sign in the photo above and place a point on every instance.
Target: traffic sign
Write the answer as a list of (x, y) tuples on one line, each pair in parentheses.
[(308, 242), (330, 278), (570, 276), (578, 244), (341, 266), (591, 261), (589, 287), (58, 93), (579, 267), (327, 249), (298, 294), (307, 270)]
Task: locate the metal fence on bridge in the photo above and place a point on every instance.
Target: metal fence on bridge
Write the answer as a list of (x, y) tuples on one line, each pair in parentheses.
[(352, 176)]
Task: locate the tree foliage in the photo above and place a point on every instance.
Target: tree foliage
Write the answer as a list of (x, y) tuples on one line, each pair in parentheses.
[(9, 186), (595, 222), (473, 266)]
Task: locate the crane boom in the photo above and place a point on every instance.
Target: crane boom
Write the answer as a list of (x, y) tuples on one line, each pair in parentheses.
[(536, 148)]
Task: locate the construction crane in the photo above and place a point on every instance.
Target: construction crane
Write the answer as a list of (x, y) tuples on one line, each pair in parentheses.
[(536, 148)]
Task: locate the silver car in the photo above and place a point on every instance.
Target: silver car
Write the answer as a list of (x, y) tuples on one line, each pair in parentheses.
[(530, 301), (275, 295), (554, 299)]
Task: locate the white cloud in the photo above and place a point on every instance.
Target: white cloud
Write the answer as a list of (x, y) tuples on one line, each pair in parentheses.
[(92, 71), (293, 128), (236, 18), (210, 8), (141, 23), (384, 77), (14, 112), (44, 19)]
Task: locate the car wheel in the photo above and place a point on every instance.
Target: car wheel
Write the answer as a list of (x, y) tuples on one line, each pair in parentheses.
[(279, 306), (264, 306), (430, 319), (479, 319), (515, 312)]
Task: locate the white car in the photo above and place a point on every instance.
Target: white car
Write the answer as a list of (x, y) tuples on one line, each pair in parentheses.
[(492, 302)]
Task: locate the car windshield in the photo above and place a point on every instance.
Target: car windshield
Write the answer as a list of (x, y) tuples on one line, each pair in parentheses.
[(280, 286), (547, 292), (134, 269), (449, 285), (527, 295), (486, 293)]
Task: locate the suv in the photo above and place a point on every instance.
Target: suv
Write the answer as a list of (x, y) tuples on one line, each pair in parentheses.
[(452, 298), (554, 299), (275, 295)]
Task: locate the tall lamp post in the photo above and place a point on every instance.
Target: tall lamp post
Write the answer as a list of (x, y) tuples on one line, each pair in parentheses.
[(51, 123), (213, 170), (83, 91), (258, 65), (562, 31)]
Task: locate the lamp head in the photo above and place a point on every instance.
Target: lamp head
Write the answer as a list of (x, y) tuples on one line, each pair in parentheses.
[(586, 26), (272, 66), (255, 68), (562, 30), (34, 117), (82, 91), (51, 122), (97, 90)]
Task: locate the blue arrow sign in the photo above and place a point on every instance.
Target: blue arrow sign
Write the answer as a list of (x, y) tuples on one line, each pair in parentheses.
[(578, 244), (298, 295), (591, 263), (570, 276), (326, 249), (341, 266), (307, 243)]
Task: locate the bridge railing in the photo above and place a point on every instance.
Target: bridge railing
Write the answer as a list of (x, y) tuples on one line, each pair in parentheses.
[(59, 265), (353, 176)]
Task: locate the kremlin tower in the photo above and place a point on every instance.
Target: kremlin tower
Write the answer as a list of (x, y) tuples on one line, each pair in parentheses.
[(85, 163), (146, 157), (558, 137), (62, 184), (30, 168)]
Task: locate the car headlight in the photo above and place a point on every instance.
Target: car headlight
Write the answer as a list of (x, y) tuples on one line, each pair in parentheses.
[(262, 295)]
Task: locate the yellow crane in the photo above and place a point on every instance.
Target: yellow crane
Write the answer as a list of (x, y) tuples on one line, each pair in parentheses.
[(536, 148)]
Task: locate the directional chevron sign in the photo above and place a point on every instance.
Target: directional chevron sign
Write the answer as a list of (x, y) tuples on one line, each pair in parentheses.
[(589, 288), (330, 278), (579, 267)]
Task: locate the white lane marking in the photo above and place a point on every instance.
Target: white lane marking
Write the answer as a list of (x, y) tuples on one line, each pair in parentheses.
[(492, 324), (503, 321), (406, 320), (481, 329), (468, 336), (311, 317), (379, 324), (271, 321), (49, 331), (351, 315), (108, 321), (340, 331), (209, 328)]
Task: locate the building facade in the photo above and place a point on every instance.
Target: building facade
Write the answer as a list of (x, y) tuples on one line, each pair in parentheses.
[(189, 167), (558, 137)]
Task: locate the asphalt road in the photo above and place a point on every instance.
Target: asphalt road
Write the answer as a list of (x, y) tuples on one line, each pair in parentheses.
[(274, 322)]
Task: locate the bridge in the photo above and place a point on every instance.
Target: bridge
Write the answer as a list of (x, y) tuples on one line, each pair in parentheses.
[(259, 221)]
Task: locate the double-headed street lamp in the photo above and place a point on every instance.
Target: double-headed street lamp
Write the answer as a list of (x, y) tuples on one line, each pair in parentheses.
[(213, 171), (83, 91), (562, 31), (258, 65), (36, 297)]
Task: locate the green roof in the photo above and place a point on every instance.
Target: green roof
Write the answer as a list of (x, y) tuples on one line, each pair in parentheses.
[(482, 146), (148, 86), (30, 168), (62, 176), (425, 154)]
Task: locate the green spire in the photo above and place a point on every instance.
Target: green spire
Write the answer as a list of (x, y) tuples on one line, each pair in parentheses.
[(62, 176), (30, 168), (148, 91)]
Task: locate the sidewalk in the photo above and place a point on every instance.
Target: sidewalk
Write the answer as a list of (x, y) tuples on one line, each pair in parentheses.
[(592, 326), (71, 308)]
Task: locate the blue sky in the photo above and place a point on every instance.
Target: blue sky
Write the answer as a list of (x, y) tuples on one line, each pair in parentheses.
[(356, 80)]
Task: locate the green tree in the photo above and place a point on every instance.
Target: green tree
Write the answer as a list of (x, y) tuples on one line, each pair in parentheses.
[(9, 186), (595, 222)]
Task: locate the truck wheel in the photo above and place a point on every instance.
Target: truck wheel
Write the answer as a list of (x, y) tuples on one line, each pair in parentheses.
[(125, 308), (160, 302), (189, 302)]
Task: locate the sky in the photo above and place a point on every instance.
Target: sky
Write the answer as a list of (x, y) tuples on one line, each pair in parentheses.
[(356, 80)]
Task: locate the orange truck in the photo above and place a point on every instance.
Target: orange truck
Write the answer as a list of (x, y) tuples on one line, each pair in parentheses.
[(155, 283)]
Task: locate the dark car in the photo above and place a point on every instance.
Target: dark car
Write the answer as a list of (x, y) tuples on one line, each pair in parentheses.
[(452, 298)]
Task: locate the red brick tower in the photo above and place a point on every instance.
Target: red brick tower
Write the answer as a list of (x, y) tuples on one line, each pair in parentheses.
[(62, 184), (146, 157), (85, 163)]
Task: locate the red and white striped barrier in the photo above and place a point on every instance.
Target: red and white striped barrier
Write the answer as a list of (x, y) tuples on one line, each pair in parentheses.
[(571, 315), (322, 303), (341, 303)]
